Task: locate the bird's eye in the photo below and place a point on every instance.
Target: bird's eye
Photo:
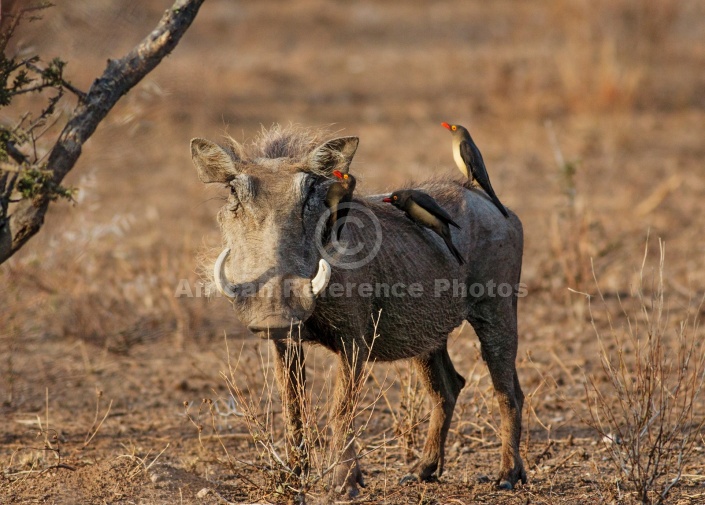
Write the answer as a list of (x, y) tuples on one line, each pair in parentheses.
[(453, 127), (395, 197), (345, 177)]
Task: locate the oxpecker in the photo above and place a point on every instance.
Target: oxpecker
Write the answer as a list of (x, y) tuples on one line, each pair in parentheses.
[(423, 210), (470, 163), (340, 192)]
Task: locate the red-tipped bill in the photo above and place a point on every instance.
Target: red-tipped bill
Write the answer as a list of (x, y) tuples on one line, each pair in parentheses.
[(338, 174), (446, 126), (387, 200)]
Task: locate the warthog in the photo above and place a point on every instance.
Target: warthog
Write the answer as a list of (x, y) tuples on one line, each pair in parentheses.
[(279, 276)]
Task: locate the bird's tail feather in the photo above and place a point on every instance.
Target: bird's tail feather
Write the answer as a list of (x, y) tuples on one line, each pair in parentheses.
[(454, 250), (499, 205)]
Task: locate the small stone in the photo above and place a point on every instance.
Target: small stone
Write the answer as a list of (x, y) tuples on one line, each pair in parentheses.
[(203, 493), (483, 479), (611, 439)]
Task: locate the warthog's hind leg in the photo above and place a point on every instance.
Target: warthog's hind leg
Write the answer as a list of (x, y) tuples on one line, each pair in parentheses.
[(443, 385), (495, 325)]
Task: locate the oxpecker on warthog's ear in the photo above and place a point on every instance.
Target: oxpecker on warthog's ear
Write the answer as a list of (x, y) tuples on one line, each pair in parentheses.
[(338, 199)]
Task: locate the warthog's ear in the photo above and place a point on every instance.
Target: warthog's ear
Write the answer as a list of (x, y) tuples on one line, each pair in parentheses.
[(213, 163), (335, 154)]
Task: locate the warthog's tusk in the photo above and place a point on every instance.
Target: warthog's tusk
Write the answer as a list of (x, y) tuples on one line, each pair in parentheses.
[(320, 281), (221, 282)]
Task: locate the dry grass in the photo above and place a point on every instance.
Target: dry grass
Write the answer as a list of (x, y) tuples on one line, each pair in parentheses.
[(277, 469), (89, 303), (619, 42), (649, 417)]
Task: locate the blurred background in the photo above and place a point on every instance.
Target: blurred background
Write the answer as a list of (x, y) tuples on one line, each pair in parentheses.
[(589, 115)]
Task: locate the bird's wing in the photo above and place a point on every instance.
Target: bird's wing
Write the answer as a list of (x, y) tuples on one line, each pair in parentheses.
[(472, 157), (336, 192), (428, 203), (352, 182)]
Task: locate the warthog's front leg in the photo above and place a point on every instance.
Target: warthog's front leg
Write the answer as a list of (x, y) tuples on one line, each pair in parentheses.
[(443, 385), (290, 372), (347, 474)]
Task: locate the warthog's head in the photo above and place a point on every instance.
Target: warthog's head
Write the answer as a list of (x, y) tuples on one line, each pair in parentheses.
[(271, 266)]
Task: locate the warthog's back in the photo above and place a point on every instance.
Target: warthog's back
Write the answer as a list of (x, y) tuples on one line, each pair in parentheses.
[(421, 291)]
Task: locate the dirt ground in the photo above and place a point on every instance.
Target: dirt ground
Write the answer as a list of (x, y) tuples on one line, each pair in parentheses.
[(589, 115)]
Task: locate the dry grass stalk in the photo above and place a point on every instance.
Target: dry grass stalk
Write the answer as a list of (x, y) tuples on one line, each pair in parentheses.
[(95, 427), (570, 236), (476, 415), (306, 471), (409, 415), (645, 414), (619, 42)]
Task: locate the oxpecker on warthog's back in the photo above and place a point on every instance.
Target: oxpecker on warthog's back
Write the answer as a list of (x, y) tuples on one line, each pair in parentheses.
[(284, 270)]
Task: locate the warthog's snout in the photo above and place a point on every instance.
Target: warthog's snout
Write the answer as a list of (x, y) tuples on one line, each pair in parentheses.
[(318, 283), (298, 297), (275, 327)]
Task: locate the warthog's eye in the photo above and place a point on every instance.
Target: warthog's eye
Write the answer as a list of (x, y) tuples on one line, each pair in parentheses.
[(233, 204), (242, 190)]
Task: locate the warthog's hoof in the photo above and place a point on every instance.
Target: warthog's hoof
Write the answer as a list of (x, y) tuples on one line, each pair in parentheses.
[(409, 478), (413, 478), (505, 484), (425, 470), (347, 491), (349, 486), (509, 481)]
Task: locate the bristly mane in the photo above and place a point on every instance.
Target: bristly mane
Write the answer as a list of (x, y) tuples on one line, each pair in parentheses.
[(292, 141)]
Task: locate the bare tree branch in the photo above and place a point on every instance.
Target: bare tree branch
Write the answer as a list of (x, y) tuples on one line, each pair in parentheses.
[(117, 79)]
